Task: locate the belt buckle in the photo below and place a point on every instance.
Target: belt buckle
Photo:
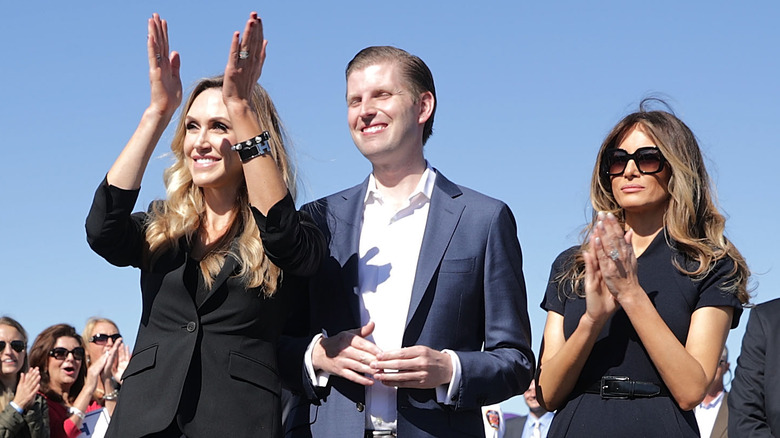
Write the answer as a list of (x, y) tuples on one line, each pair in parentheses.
[(610, 392)]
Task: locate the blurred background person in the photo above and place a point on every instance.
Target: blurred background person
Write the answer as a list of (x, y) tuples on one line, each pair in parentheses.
[(66, 384), (712, 414), (754, 401), (100, 335), (638, 314), (534, 425), (24, 413)]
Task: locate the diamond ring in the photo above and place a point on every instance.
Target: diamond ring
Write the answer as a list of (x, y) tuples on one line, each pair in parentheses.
[(614, 255), (243, 54)]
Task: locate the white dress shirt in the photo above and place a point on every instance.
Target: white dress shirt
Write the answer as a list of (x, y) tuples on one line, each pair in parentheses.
[(706, 413)]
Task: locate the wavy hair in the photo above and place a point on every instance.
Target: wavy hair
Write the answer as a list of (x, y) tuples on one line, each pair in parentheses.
[(6, 394), (181, 214), (39, 357), (691, 220)]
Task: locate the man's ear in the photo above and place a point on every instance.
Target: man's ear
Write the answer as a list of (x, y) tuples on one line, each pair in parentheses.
[(427, 103)]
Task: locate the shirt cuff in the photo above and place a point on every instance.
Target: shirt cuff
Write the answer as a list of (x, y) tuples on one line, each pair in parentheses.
[(318, 378), (448, 394)]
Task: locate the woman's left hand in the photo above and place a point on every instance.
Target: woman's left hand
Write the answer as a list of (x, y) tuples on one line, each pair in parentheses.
[(245, 62), (615, 256)]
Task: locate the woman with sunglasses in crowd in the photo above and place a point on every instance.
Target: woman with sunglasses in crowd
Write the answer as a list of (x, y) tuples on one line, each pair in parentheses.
[(638, 314), (211, 255), (100, 335), (24, 414), (66, 383)]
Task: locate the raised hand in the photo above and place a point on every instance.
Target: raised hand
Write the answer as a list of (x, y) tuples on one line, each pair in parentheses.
[(29, 384), (600, 304), (122, 360), (347, 354), (163, 68), (245, 61), (413, 367), (615, 256)]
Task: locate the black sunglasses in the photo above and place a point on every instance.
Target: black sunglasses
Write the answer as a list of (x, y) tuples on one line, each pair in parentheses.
[(60, 353), (102, 339), (17, 346), (648, 159)]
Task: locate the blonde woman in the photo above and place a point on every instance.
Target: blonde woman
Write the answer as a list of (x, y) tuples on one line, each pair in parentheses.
[(100, 335), (23, 413), (637, 315), (212, 255)]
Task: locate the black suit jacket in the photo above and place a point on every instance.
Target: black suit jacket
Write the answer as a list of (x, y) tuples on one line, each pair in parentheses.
[(754, 400), (513, 427), (215, 363)]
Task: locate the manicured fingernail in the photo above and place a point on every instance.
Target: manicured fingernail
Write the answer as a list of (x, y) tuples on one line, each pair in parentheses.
[(598, 241), (610, 215), (600, 224), (600, 215)]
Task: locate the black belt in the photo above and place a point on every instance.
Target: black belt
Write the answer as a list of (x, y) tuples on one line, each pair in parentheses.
[(375, 433), (621, 387)]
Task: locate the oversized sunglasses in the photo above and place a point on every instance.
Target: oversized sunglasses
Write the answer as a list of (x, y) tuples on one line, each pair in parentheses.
[(648, 160), (17, 346), (102, 339), (60, 353)]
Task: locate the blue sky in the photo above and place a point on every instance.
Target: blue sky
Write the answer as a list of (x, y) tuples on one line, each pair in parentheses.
[(527, 91)]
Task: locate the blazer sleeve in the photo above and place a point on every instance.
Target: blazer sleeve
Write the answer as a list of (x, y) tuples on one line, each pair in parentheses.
[(747, 399), (505, 367), (291, 239), (113, 232)]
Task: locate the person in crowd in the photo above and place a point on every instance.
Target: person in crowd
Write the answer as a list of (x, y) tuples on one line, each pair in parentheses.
[(754, 400), (638, 314), (99, 336), (24, 414), (211, 255), (712, 414), (66, 383), (535, 425), (419, 317)]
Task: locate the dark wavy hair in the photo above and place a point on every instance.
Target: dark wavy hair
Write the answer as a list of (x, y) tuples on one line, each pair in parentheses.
[(39, 357)]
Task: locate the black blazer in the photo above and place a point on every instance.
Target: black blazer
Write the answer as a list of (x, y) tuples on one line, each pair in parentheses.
[(754, 400), (213, 364)]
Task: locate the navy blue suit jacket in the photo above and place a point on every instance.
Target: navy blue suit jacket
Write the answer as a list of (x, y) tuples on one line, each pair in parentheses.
[(754, 400), (468, 296)]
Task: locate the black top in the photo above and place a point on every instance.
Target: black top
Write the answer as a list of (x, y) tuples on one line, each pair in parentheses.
[(618, 350)]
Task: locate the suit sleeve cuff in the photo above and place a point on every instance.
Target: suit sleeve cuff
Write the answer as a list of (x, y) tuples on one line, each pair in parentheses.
[(318, 379), (448, 394)]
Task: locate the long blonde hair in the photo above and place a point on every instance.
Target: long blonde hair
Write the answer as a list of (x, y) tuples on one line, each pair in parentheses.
[(180, 215), (692, 219), (7, 394)]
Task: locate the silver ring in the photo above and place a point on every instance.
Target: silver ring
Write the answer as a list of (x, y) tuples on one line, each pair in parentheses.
[(158, 56), (243, 54), (614, 255)]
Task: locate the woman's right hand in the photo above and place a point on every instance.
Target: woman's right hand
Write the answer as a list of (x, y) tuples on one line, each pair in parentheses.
[(29, 384), (600, 303), (163, 69)]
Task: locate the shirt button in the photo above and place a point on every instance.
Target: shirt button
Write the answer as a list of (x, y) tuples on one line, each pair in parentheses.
[(360, 407), (191, 326)]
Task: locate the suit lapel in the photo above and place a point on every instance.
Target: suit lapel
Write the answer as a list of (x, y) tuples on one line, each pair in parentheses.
[(228, 268), (345, 244), (443, 217)]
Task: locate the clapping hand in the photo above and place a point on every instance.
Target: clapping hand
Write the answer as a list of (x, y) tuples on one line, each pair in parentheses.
[(163, 68), (245, 61)]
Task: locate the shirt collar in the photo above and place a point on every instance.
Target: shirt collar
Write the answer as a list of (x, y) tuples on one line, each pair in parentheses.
[(424, 186)]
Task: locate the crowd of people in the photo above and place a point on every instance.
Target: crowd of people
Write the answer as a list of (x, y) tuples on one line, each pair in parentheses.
[(396, 307)]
